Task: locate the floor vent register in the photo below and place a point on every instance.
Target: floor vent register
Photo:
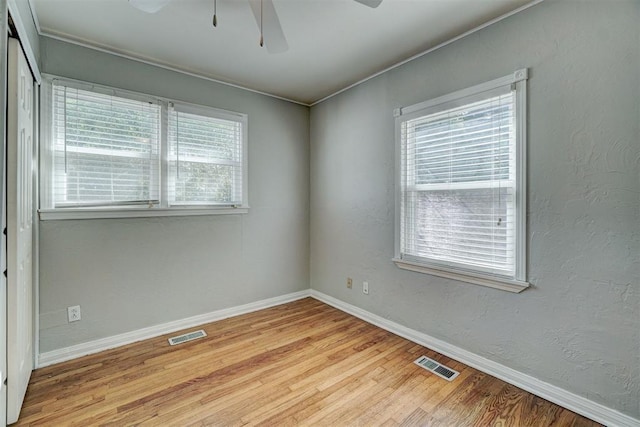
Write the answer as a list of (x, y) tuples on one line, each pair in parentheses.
[(438, 369), (189, 336)]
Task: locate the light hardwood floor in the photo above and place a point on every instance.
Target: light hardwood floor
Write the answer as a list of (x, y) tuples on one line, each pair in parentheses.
[(302, 363)]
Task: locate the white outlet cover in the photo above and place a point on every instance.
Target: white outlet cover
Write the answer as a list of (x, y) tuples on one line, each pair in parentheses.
[(73, 313)]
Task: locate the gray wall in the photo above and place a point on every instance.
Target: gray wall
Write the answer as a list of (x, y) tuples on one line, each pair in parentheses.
[(578, 326), (132, 273)]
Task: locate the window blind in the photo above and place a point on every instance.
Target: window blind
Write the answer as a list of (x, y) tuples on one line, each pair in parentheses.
[(205, 158), (106, 149), (458, 186)]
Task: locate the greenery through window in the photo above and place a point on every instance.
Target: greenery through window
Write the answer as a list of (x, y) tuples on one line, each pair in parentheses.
[(205, 158)]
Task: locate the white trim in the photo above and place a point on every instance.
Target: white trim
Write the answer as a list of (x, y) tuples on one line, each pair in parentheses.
[(100, 89), (555, 394), (521, 188), (24, 40), (216, 113), (439, 46), (164, 207), (86, 44), (397, 181), (462, 97), (96, 346), (178, 105), (36, 22), (205, 110), (515, 82), (36, 225), (105, 213), (468, 277), (176, 69)]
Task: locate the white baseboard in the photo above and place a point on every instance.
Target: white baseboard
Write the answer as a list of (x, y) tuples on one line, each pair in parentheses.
[(557, 395), (79, 350)]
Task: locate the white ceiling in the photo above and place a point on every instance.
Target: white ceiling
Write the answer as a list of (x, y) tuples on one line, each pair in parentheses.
[(332, 43)]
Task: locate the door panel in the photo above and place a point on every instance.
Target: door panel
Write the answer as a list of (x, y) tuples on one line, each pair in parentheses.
[(19, 229), (3, 185)]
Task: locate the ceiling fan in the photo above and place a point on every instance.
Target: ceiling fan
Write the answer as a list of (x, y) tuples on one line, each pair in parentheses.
[(264, 12)]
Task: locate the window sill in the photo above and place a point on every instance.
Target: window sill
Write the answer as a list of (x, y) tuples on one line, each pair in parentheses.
[(105, 213), (515, 286)]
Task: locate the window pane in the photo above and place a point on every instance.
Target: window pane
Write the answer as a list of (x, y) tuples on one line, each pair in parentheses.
[(458, 181), (469, 143), (206, 138), (472, 227), (106, 148), (94, 178), (205, 183), (205, 159)]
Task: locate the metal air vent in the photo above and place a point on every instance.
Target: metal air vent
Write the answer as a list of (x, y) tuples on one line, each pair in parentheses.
[(435, 367), (190, 336)]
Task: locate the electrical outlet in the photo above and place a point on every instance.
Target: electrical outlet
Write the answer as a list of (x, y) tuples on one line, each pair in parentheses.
[(365, 288), (349, 282), (73, 313)]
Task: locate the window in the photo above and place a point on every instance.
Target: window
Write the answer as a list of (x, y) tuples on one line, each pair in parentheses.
[(461, 182), (205, 158), (106, 149), (113, 153)]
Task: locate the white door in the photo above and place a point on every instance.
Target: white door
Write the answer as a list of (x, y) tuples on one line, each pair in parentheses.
[(19, 229), (3, 303), (3, 224), (3, 299)]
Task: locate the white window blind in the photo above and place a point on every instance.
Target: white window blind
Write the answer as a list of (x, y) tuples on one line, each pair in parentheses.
[(106, 149), (460, 183), (459, 186), (111, 153), (205, 158)]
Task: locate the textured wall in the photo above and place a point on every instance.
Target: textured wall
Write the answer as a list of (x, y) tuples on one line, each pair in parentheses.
[(578, 326), (132, 273)]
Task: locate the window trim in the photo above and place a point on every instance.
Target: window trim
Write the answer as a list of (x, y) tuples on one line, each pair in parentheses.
[(47, 212), (132, 212), (451, 100), (184, 107)]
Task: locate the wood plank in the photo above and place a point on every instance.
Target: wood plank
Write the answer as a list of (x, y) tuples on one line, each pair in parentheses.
[(302, 363)]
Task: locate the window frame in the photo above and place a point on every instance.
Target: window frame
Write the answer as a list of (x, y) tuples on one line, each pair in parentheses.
[(47, 210), (518, 282), (186, 108)]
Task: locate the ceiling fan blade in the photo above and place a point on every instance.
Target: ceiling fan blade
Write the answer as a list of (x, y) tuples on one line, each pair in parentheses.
[(271, 29), (370, 3), (149, 6)]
